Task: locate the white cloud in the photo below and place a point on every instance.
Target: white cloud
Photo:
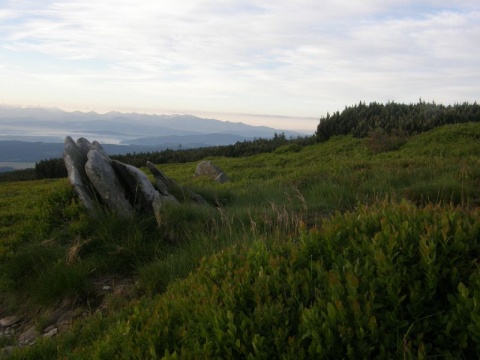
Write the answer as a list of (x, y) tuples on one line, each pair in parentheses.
[(285, 57)]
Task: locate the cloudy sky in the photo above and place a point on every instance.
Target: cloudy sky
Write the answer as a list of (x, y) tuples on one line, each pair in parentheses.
[(282, 62)]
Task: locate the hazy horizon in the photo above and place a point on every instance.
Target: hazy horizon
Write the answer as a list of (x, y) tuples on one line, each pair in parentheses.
[(238, 60), (294, 123)]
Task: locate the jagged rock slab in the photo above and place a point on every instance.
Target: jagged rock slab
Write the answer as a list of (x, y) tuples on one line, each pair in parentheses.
[(75, 158), (167, 186), (163, 184), (140, 190), (103, 178)]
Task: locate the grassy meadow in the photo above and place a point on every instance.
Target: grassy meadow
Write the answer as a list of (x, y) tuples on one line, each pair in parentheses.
[(335, 250)]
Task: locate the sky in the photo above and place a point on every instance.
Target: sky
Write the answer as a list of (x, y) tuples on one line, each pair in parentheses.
[(279, 63)]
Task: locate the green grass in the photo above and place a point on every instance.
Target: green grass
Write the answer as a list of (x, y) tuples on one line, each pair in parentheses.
[(384, 281), (51, 250)]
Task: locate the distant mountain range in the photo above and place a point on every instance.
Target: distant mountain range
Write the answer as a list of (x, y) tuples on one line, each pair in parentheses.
[(33, 134)]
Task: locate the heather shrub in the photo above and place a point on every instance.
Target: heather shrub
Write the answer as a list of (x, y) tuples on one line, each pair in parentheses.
[(384, 281), (379, 140)]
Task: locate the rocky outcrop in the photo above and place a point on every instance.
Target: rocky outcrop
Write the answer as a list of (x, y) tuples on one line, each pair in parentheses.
[(107, 184), (168, 186), (164, 184), (103, 183), (143, 192), (207, 168)]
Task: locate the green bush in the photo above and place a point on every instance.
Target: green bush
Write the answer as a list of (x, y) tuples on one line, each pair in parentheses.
[(384, 281), (393, 283), (379, 140), (291, 148)]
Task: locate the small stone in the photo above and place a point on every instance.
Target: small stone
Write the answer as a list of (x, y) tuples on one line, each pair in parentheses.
[(51, 333), (48, 329), (9, 321), (28, 336)]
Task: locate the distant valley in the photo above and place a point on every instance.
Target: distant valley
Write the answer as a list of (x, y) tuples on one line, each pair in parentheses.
[(32, 134)]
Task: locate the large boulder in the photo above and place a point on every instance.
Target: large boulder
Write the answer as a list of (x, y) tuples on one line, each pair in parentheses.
[(101, 174), (207, 168), (75, 158)]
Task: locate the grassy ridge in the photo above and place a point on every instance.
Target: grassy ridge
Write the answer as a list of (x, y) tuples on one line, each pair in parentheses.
[(276, 211)]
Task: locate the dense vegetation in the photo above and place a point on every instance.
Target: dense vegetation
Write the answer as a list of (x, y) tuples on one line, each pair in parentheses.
[(388, 281), (359, 120), (349, 248)]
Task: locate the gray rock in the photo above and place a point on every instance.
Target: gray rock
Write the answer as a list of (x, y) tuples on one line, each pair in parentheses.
[(48, 329), (195, 197), (84, 145), (75, 158), (103, 178), (163, 184), (221, 178), (207, 168), (167, 186), (28, 336), (96, 146), (138, 187), (119, 187), (9, 321), (50, 333)]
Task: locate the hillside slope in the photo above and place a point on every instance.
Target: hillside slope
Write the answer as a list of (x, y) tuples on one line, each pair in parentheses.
[(323, 251)]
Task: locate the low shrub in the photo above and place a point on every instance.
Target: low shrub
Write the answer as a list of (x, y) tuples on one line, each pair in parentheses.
[(291, 148), (384, 281), (379, 140)]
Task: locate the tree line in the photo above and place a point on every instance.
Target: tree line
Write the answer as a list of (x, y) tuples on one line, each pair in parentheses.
[(360, 120)]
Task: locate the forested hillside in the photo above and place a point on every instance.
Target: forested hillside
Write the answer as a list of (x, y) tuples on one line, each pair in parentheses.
[(359, 120)]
